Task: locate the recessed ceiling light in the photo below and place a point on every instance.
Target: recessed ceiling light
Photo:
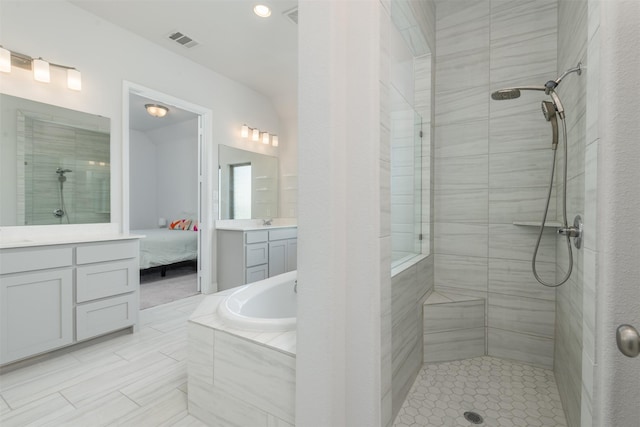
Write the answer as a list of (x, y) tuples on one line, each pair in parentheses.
[(262, 10)]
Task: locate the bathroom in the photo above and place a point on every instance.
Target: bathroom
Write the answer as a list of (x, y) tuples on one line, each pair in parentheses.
[(341, 293)]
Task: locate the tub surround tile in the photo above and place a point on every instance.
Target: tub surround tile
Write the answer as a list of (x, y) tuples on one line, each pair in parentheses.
[(217, 408), (200, 360), (261, 376)]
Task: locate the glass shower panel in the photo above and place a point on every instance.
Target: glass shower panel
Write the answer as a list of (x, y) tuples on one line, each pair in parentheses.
[(406, 180)]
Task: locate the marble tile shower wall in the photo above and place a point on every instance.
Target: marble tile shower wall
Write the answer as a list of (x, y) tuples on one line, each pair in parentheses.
[(572, 48), (492, 166)]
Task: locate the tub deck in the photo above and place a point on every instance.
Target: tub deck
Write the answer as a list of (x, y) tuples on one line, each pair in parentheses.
[(238, 377)]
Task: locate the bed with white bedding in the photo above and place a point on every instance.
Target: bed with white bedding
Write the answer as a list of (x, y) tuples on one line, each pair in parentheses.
[(162, 247)]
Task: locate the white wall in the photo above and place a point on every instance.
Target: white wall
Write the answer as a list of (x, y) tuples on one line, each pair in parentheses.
[(177, 172), (143, 206), (107, 55)]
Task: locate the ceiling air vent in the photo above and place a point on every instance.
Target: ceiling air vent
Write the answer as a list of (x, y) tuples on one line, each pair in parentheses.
[(292, 14), (182, 39)]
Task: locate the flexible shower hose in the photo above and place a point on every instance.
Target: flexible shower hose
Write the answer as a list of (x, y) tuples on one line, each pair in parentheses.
[(564, 216)]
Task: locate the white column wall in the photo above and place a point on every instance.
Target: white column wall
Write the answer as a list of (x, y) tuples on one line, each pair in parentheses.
[(339, 340)]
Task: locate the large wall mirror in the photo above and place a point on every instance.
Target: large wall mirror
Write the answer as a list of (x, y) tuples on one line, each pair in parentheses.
[(55, 165), (248, 184)]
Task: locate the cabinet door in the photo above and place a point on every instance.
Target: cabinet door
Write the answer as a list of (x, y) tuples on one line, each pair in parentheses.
[(36, 313), (256, 254), (256, 273), (277, 257), (292, 254), (107, 315)]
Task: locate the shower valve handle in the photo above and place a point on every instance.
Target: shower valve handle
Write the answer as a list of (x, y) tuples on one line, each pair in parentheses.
[(569, 231)]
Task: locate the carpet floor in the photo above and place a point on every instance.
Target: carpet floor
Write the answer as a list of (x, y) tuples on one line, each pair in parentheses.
[(179, 283)]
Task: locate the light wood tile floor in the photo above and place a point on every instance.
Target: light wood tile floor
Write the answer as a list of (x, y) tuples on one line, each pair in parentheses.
[(135, 379)]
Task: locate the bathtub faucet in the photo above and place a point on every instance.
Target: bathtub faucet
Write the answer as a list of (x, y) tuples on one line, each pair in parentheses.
[(267, 221)]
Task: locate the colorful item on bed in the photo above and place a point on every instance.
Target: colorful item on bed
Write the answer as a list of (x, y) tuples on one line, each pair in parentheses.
[(184, 224)]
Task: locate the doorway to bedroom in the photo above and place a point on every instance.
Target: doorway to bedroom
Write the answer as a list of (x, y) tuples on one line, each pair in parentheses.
[(165, 177)]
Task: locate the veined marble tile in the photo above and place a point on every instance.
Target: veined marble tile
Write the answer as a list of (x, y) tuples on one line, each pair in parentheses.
[(463, 173), (454, 345), (462, 139), (507, 205), (524, 58), (572, 29), (274, 421), (404, 374), (519, 314), (153, 388), (513, 277), (462, 26), (4, 408), (461, 239), (589, 303), (517, 20), (518, 242), (18, 376), (44, 385), (456, 105), (461, 272), (521, 347), (469, 69), (164, 407), (102, 412), (256, 374), (102, 382), (48, 407), (525, 169), (469, 206), (453, 316), (425, 276), (184, 419)]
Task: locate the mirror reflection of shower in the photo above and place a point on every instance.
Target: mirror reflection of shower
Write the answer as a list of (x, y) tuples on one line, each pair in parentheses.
[(61, 212), (552, 110)]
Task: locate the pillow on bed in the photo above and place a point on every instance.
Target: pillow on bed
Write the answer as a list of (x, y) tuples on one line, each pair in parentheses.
[(180, 224), (194, 225)]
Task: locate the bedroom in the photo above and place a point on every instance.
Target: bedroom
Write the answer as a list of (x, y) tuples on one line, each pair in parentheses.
[(163, 200)]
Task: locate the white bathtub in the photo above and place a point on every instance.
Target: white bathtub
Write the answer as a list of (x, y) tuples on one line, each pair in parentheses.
[(268, 305)]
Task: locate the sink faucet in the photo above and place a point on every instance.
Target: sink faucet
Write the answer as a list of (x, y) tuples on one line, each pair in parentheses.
[(267, 221)]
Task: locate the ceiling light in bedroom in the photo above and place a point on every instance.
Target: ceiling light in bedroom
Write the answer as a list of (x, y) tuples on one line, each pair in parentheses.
[(156, 110), (263, 11)]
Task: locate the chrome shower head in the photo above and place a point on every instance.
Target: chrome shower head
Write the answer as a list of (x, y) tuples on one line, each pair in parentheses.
[(549, 111), (505, 94), (61, 171)]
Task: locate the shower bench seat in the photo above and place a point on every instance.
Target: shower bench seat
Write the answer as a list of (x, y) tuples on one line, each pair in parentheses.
[(453, 327)]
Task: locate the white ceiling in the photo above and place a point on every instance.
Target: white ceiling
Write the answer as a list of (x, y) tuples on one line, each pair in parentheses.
[(258, 52)]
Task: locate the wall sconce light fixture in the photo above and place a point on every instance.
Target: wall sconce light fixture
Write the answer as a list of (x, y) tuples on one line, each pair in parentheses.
[(257, 135), (41, 68), (156, 110)]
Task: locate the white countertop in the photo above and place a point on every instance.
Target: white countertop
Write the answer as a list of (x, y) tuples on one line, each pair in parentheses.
[(254, 227), (254, 224), (64, 240)]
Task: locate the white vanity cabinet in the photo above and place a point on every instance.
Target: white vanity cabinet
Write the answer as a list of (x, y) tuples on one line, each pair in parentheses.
[(246, 256), (55, 295)]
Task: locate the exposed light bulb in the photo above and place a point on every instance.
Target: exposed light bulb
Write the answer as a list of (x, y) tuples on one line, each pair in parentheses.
[(74, 79), (5, 60), (262, 10), (41, 70)]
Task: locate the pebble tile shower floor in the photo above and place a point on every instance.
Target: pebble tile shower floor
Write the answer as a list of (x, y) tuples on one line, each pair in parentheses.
[(502, 392)]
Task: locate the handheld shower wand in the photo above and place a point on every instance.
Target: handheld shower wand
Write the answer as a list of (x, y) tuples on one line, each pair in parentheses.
[(551, 110)]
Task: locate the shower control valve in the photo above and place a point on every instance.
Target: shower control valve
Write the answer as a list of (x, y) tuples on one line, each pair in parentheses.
[(574, 231)]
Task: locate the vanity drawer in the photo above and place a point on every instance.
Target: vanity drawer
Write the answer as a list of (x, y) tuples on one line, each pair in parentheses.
[(36, 259), (257, 254), (106, 252), (256, 236), (283, 233), (101, 317), (105, 280)]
